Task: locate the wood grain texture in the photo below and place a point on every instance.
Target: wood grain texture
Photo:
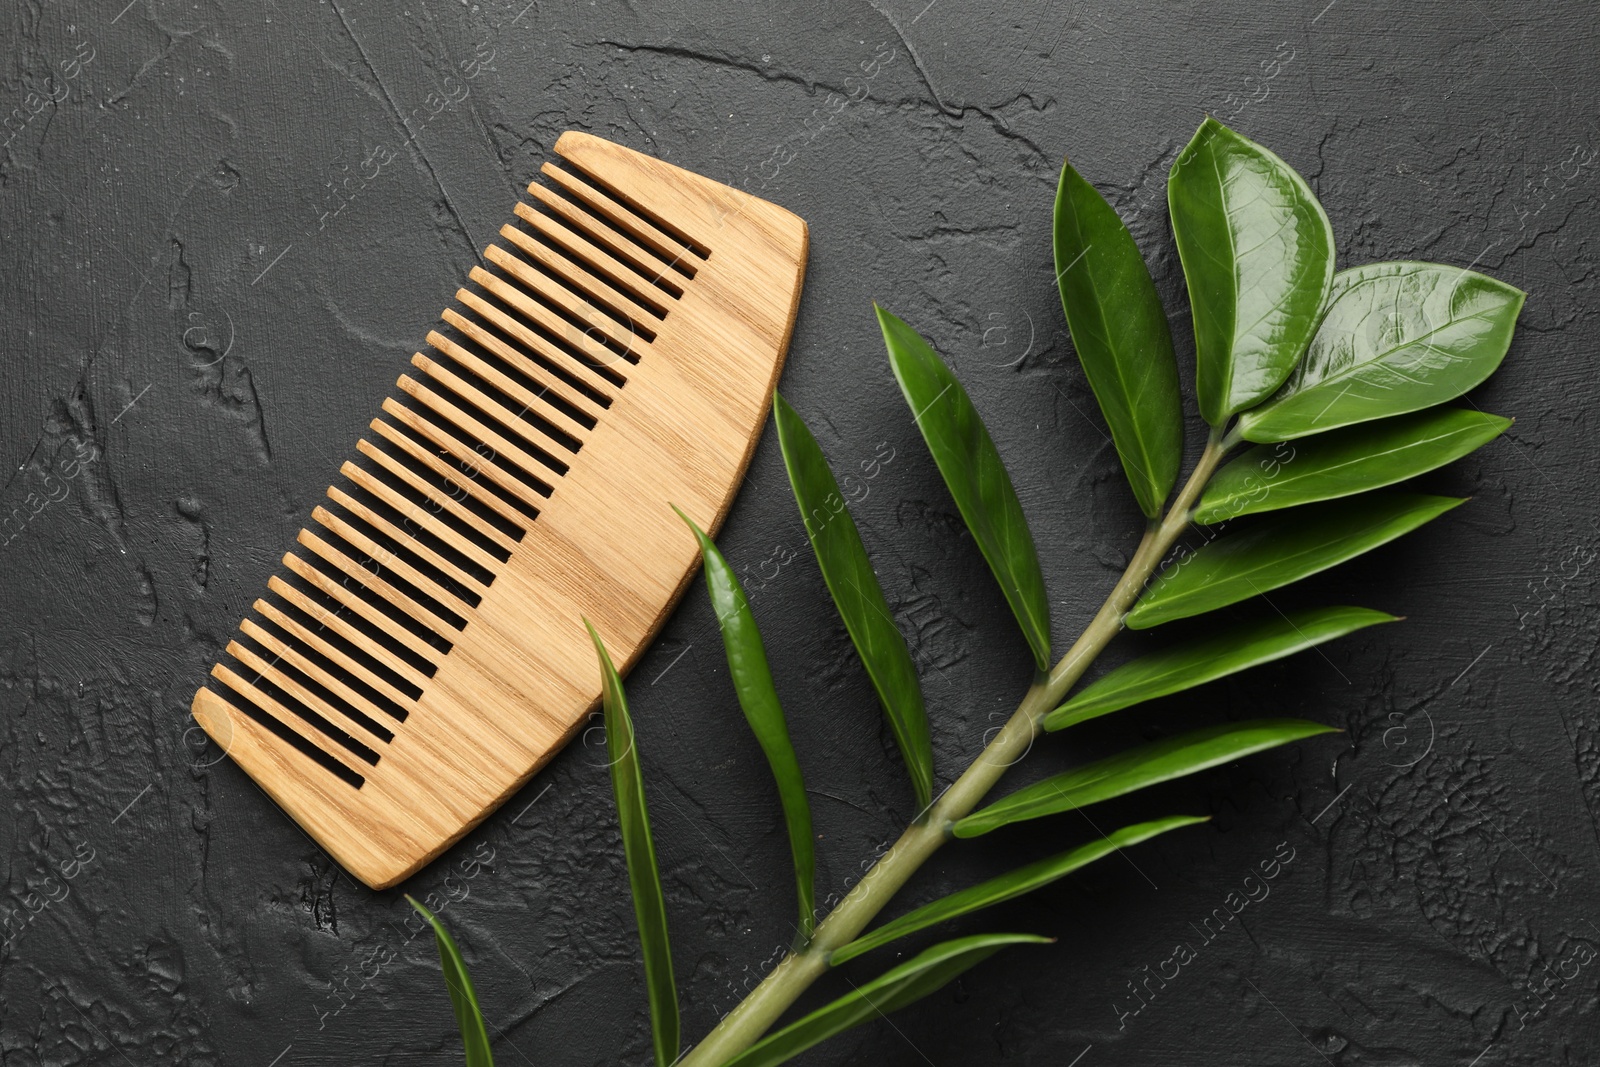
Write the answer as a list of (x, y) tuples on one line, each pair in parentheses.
[(422, 653)]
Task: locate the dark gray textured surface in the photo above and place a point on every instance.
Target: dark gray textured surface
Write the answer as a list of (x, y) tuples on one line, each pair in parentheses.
[(176, 310)]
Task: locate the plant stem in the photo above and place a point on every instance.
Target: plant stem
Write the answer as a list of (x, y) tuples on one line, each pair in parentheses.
[(753, 1016)]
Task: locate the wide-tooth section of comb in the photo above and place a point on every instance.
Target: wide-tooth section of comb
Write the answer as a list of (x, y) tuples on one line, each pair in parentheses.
[(422, 652)]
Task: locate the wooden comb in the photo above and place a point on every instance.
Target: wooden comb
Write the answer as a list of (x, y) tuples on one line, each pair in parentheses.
[(422, 652)]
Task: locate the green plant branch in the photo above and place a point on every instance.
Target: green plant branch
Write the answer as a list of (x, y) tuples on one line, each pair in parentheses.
[(753, 1016)]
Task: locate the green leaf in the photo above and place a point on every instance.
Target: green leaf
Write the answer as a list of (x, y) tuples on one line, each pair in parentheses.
[(1007, 886), (1281, 550), (1257, 254), (469, 1017), (1137, 769), (926, 973), (1120, 331), (644, 877), (972, 470), (1187, 665), (1344, 462), (1396, 337), (752, 681), (855, 589)]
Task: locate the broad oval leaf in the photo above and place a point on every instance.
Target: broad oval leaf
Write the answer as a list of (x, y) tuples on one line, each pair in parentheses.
[(972, 470), (1194, 663), (845, 567), (1257, 252), (752, 681), (644, 876), (1137, 769), (1281, 550), (925, 973), (1010, 885), (1120, 332), (469, 1017), (1396, 337), (1344, 462)]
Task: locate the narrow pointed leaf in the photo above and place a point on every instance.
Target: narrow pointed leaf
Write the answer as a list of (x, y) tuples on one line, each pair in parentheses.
[(1010, 885), (1194, 663), (845, 567), (644, 877), (469, 1017), (919, 976), (1345, 462), (1120, 332), (1257, 252), (1136, 769), (972, 470), (1396, 337), (752, 681), (1281, 550)]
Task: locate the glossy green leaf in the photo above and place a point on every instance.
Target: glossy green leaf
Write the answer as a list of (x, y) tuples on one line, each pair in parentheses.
[(752, 681), (972, 470), (1344, 462), (1396, 337), (1010, 885), (1280, 550), (845, 567), (644, 877), (1137, 769), (1120, 332), (1194, 663), (926, 973), (1257, 254), (469, 1017)]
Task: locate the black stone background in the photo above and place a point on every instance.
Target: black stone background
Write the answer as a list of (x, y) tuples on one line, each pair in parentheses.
[(169, 299)]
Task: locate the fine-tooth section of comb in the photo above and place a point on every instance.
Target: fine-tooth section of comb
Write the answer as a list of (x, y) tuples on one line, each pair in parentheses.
[(421, 652)]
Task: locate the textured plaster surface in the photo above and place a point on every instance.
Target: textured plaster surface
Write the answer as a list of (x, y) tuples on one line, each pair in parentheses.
[(191, 340)]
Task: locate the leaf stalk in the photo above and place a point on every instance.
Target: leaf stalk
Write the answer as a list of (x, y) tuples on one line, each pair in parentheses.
[(756, 1014)]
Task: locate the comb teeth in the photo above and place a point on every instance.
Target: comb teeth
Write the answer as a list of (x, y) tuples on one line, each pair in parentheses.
[(418, 531), (419, 653)]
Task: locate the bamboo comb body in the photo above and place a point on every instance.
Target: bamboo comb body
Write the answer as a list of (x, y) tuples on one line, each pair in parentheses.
[(422, 652)]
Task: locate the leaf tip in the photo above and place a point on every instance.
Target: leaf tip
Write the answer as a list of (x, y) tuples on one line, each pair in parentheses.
[(699, 534), (599, 646)]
